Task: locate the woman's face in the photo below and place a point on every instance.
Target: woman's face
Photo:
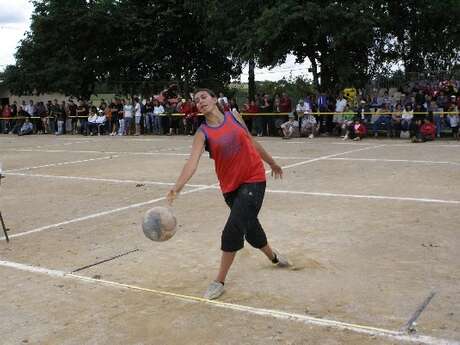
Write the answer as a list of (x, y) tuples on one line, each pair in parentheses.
[(205, 102)]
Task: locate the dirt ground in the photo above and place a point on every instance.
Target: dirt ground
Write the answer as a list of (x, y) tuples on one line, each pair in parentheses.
[(372, 228)]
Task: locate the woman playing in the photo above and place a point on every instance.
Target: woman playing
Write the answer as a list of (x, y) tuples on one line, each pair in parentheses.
[(241, 174)]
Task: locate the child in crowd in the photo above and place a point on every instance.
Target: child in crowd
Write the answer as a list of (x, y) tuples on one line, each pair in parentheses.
[(355, 130), (406, 119), (453, 121), (427, 132)]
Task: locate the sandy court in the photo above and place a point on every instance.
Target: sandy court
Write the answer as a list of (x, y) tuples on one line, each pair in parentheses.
[(371, 227)]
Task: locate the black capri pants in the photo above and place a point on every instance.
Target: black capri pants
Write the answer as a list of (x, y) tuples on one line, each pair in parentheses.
[(245, 203)]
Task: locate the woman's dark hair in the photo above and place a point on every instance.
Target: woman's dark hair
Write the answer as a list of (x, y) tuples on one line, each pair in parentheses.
[(210, 92)]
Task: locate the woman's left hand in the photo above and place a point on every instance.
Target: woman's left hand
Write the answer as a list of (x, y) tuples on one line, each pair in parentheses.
[(277, 171)]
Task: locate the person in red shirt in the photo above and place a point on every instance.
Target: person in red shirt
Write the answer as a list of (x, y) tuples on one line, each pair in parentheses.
[(285, 103), (427, 130), (250, 108), (6, 114), (241, 174), (190, 118)]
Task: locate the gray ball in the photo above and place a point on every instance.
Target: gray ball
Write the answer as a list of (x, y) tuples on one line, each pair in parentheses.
[(159, 224)]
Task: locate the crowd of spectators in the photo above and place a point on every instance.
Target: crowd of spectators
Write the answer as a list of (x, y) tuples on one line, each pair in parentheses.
[(421, 111)]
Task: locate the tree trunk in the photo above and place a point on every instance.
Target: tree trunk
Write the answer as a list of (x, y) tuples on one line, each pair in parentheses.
[(251, 80), (314, 71)]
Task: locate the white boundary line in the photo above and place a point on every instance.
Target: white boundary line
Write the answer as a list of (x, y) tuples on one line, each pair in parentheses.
[(370, 141), (161, 153), (276, 314), (97, 179), (360, 196), (330, 156), (62, 163), (103, 213), (163, 198), (393, 160), (63, 144)]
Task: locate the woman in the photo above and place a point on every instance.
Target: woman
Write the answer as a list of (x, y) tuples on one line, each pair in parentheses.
[(241, 173)]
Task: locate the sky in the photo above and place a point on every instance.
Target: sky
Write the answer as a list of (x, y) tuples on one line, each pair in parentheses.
[(15, 22)]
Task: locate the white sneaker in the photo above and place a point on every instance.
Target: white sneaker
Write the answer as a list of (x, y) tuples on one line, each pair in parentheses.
[(282, 260), (311, 136), (215, 290), (345, 137)]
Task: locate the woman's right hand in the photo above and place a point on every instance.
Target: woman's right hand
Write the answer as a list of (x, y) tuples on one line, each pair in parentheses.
[(171, 196)]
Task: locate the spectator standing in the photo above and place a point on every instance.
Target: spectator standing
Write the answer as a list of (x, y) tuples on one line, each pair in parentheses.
[(137, 115), (267, 122), (148, 120), (7, 122), (250, 108), (82, 113), (453, 118), (73, 116), (222, 98), (116, 109), (59, 115), (337, 120), (127, 116), (158, 111), (29, 108), (190, 115), (14, 109), (396, 121)]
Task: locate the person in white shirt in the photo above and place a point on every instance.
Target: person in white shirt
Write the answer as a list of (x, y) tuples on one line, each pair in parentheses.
[(406, 117), (137, 115), (92, 118), (309, 125), (158, 110), (302, 108), (454, 121), (290, 128), (127, 116), (96, 121), (222, 98), (30, 108), (340, 105)]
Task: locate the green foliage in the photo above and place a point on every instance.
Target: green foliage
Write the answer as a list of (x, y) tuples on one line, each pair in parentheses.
[(133, 46), (296, 88), (140, 46)]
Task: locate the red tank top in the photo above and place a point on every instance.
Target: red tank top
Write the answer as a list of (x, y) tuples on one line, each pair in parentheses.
[(235, 157)]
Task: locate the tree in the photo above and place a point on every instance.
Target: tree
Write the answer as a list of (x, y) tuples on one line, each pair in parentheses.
[(335, 36), (63, 52), (134, 46), (424, 34), (233, 24)]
